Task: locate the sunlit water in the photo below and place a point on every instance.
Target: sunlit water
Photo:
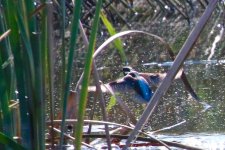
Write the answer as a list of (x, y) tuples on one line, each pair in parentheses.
[(205, 141)]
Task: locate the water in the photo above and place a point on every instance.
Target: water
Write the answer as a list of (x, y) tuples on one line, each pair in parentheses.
[(205, 76), (187, 63), (181, 118), (178, 117), (204, 141), (177, 105)]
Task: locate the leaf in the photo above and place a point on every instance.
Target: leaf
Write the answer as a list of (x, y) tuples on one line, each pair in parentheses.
[(9, 142), (87, 70), (112, 103), (118, 43)]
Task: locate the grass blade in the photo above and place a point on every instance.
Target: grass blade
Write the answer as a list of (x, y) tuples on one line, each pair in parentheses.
[(85, 81), (112, 31), (9, 142), (74, 32), (10, 11)]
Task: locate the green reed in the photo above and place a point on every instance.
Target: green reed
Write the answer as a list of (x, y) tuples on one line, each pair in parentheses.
[(23, 50), (87, 70), (74, 33), (27, 70)]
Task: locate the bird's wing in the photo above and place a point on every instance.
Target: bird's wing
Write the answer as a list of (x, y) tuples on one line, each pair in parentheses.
[(124, 84), (154, 79)]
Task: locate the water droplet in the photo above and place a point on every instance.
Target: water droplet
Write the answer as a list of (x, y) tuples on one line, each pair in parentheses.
[(219, 25), (102, 33), (167, 7), (164, 19)]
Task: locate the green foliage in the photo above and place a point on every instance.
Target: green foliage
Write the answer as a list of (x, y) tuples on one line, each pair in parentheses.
[(9, 142), (112, 103), (20, 54), (178, 43), (112, 31), (74, 32), (27, 67), (87, 71)]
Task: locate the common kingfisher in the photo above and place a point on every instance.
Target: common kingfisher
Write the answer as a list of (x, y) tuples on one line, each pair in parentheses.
[(153, 79), (133, 84), (139, 86)]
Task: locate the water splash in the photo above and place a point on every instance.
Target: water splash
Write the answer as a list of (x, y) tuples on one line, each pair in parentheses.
[(189, 62), (205, 106), (216, 40)]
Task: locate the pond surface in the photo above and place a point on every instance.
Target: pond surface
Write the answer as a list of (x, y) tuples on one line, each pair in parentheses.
[(204, 141), (206, 78), (207, 141), (178, 117)]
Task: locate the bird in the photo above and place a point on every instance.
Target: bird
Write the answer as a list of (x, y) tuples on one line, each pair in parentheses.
[(134, 85), (138, 85), (153, 79)]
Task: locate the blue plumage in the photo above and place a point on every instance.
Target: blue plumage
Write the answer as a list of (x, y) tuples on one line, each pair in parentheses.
[(139, 86), (135, 85)]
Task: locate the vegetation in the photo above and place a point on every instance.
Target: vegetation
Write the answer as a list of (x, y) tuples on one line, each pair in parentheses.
[(37, 64)]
